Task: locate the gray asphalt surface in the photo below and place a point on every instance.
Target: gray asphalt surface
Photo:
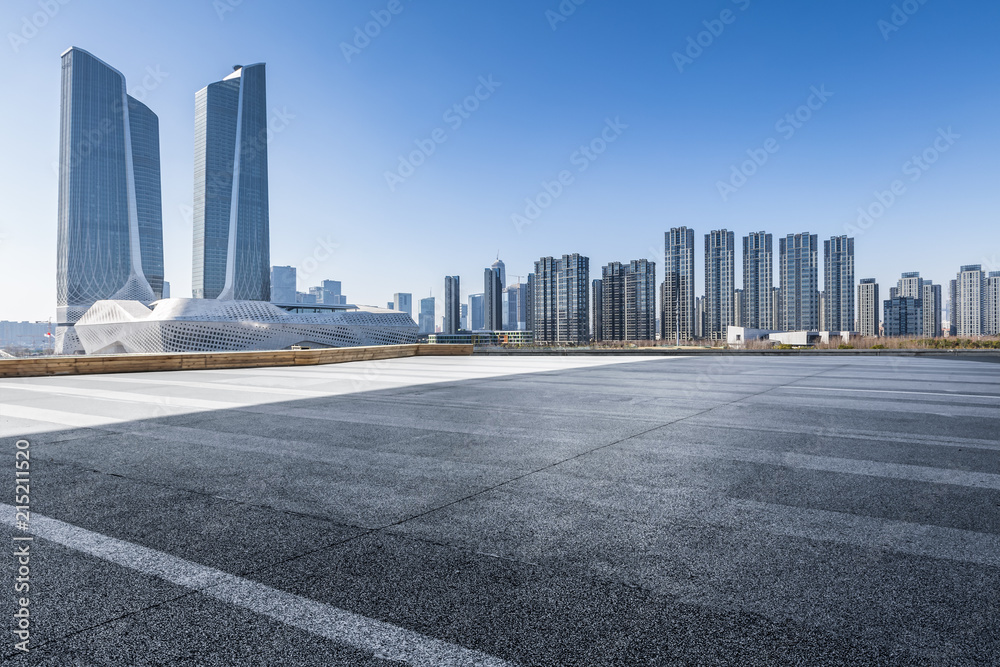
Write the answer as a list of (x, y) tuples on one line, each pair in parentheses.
[(552, 511)]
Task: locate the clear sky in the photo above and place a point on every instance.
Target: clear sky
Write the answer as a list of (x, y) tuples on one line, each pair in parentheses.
[(892, 83)]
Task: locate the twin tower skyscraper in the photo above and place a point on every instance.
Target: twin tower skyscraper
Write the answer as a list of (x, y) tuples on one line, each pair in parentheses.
[(110, 236)]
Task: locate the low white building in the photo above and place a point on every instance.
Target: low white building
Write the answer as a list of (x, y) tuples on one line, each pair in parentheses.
[(210, 325), (739, 336)]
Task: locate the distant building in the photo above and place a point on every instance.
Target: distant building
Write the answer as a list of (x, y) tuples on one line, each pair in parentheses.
[(970, 300), (758, 281), (330, 293), (678, 284), (991, 323), (738, 305), (868, 308), (515, 303), (597, 310), (452, 301), (720, 283), (699, 317), (932, 306), (283, 284), (465, 317), (529, 303), (903, 316), (493, 297), (561, 299), (403, 302), (613, 302), (166, 290), (30, 335), (799, 269), (477, 312), (838, 286), (427, 315)]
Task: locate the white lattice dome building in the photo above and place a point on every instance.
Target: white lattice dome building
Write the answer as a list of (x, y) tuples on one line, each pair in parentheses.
[(209, 325)]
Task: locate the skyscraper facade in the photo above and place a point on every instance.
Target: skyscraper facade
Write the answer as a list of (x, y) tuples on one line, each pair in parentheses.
[(529, 303), (426, 315), (838, 286), (991, 323), (561, 299), (678, 284), (476, 312), (613, 302), (283, 284), (231, 224), (903, 316), (970, 300), (799, 271), (932, 306), (452, 305), (758, 281), (110, 239), (868, 308), (720, 283), (403, 301), (597, 310), (493, 297), (640, 300)]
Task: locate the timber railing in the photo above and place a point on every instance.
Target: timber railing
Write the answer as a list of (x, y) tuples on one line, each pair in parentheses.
[(136, 363)]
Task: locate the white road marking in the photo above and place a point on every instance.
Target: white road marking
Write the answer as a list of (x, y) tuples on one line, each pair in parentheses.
[(381, 639), (799, 387)]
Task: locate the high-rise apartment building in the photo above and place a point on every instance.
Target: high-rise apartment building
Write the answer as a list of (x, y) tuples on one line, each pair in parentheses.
[(231, 225), (868, 308), (110, 226), (798, 268), (970, 300), (932, 307), (597, 310), (515, 306), (953, 307), (903, 316), (720, 283), (678, 284), (283, 284), (738, 303), (464, 325), (640, 300), (838, 286), (991, 323), (613, 302), (452, 307), (529, 303), (758, 281), (426, 323), (561, 299)]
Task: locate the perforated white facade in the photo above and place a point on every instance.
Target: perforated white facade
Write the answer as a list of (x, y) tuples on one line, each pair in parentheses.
[(202, 325)]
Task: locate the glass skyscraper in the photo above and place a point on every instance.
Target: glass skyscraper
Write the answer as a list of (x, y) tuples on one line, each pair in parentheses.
[(110, 227), (231, 227)]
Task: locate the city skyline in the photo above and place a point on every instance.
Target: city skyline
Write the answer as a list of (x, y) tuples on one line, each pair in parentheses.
[(333, 236)]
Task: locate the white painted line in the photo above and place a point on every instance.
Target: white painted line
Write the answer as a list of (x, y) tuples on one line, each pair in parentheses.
[(383, 640), (799, 387), (913, 473), (924, 540)]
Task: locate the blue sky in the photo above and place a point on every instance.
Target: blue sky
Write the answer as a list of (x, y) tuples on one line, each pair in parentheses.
[(679, 125)]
